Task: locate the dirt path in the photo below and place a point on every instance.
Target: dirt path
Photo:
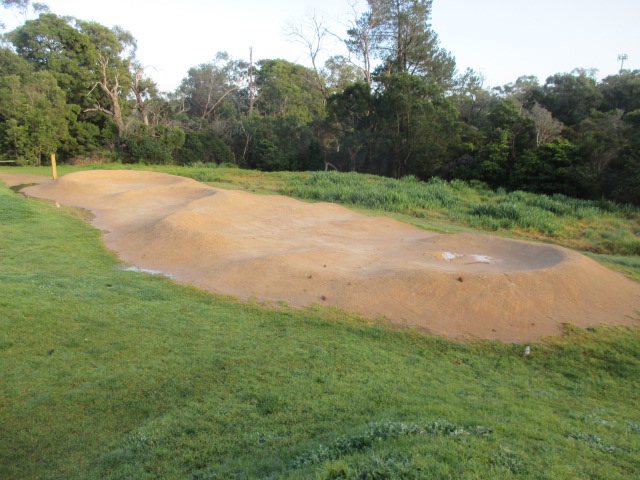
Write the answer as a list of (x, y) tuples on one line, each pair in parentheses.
[(278, 248), (15, 179)]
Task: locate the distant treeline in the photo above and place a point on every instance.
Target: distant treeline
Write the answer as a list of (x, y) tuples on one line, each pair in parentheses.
[(395, 106)]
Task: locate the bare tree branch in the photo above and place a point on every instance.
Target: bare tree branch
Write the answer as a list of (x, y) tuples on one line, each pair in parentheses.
[(311, 32)]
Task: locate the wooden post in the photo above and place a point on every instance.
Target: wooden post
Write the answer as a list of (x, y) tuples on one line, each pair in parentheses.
[(54, 170)]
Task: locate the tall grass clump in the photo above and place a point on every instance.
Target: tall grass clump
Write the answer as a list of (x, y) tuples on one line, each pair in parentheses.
[(510, 215), (410, 195), (368, 191), (557, 204), (586, 225)]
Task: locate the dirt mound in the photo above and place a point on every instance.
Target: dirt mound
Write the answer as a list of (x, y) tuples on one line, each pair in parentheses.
[(278, 248)]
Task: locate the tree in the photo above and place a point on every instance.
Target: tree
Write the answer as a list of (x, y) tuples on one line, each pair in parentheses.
[(111, 55), (280, 134), (143, 89), (89, 61), (286, 89), (510, 134), (352, 113), (547, 127), (311, 32), (621, 92), (472, 100), (338, 73), (404, 41), (417, 126), (360, 39), (155, 145), (280, 143), (525, 91), (32, 116), (204, 146), (550, 168), (570, 97), (601, 138), (623, 182), (51, 43), (209, 87), (13, 64)]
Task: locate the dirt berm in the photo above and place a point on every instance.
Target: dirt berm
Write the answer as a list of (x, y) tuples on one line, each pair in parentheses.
[(278, 248)]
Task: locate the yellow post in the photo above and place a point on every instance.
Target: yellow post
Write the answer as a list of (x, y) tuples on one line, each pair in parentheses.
[(53, 166)]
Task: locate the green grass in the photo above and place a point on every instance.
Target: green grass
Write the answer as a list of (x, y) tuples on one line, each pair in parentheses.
[(598, 227), (629, 265), (113, 374)]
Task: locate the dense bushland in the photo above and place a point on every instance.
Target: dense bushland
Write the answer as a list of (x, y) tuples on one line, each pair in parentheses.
[(75, 88)]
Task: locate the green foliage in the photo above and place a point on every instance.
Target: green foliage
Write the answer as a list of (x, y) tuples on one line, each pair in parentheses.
[(418, 125), (84, 137), (145, 149), (280, 143), (288, 90), (402, 38), (510, 135), (50, 43), (155, 146), (570, 97), (266, 156), (32, 116), (204, 146), (406, 127), (550, 168), (13, 64), (90, 64), (621, 92), (352, 112), (339, 73)]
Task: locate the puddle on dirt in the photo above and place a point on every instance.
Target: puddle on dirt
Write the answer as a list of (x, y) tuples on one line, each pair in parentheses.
[(77, 212), (129, 268)]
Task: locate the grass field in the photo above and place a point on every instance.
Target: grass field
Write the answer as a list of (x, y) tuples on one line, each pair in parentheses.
[(113, 374)]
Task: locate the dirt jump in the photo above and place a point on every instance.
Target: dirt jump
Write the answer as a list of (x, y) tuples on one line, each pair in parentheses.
[(280, 249)]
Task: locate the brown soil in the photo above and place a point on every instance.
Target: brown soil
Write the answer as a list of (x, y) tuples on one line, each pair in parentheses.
[(15, 179), (277, 248)]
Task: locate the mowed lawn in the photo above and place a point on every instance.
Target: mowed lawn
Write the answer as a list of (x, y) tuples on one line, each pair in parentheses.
[(113, 374)]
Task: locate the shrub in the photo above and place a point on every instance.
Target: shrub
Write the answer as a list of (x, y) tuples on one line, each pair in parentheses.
[(205, 147), (146, 149)]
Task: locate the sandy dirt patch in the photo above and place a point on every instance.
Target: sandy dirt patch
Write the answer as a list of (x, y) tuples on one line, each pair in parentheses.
[(15, 179), (277, 248)]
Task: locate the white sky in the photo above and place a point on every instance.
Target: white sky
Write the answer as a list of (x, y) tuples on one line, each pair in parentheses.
[(502, 39)]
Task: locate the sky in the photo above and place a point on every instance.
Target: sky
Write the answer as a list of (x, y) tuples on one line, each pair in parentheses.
[(501, 39)]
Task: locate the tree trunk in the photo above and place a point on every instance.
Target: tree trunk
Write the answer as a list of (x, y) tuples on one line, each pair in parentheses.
[(142, 108), (252, 97), (138, 90), (114, 110)]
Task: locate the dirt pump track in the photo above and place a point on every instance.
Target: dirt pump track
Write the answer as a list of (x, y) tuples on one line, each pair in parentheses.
[(281, 249)]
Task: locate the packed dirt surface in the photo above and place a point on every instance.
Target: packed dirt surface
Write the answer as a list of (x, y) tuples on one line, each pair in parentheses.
[(15, 179), (277, 248)]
